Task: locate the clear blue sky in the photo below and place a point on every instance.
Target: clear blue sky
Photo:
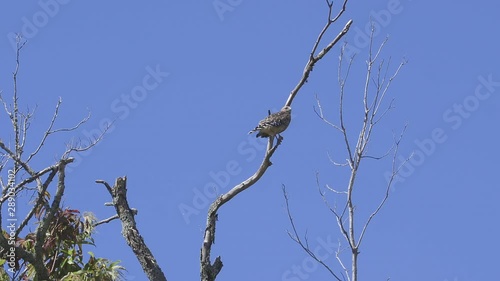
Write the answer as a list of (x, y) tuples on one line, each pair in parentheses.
[(186, 83)]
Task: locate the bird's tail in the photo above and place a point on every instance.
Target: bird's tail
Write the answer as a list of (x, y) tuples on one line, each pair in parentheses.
[(262, 135)]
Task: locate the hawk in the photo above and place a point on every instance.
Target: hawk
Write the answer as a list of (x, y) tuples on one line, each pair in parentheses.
[(274, 124)]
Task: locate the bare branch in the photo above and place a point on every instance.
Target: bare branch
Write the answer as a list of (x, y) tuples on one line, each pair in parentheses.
[(382, 115), (14, 117), (25, 125), (92, 142), (210, 271), (329, 21), (41, 232), (379, 157), (388, 188), (129, 229), (108, 187), (322, 116), (5, 106), (334, 190), (75, 127), (313, 58), (19, 186), (337, 256), (342, 10), (110, 190), (341, 82), (295, 237), (40, 202), (336, 163), (374, 58), (339, 217), (17, 160), (389, 84), (47, 132), (112, 218)]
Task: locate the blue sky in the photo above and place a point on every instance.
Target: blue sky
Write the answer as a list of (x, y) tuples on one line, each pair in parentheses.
[(185, 82)]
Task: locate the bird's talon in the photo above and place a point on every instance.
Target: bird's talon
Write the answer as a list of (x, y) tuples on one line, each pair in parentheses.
[(280, 139)]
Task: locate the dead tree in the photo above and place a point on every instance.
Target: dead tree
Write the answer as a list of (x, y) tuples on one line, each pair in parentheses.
[(130, 231), (209, 270), (374, 108)]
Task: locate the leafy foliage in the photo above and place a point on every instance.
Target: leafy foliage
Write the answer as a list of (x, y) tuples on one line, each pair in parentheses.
[(63, 254)]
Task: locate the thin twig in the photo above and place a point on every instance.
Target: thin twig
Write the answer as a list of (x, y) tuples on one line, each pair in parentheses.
[(337, 256), (92, 142), (295, 237), (341, 82), (112, 218), (388, 187), (315, 58), (322, 116)]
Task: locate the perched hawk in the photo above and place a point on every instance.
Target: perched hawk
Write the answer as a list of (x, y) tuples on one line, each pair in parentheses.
[(274, 124)]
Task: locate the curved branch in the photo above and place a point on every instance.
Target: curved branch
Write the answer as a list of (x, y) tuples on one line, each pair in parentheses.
[(112, 218), (313, 59), (296, 238), (395, 171), (209, 271), (92, 142), (50, 129)]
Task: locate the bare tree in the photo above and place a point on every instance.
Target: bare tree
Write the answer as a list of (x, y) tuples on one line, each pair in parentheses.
[(209, 270), (376, 86)]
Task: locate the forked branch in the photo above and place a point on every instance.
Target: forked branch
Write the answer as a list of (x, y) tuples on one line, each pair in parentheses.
[(313, 57), (294, 235), (129, 229)]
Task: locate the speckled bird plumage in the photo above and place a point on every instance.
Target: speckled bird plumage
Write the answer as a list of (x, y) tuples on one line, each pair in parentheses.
[(274, 124)]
